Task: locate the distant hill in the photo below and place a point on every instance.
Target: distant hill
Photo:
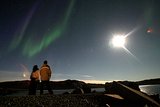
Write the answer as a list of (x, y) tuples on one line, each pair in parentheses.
[(149, 81), (67, 84), (15, 84)]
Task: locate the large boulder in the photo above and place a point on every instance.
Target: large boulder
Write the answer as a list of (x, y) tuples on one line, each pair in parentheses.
[(82, 85), (77, 91), (133, 85), (86, 88), (112, 87)]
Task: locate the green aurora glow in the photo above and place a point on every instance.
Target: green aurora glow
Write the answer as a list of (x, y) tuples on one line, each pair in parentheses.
[(20, 35), (32, 48)]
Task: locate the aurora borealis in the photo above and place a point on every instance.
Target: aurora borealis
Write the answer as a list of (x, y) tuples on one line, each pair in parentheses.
[(74, 36), (32, 47)]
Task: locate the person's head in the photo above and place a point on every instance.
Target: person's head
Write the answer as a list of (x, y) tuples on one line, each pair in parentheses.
[(35, 68), (45, 62)]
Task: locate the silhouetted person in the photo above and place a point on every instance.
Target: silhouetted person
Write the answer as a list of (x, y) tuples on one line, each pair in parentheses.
[(34, 80), (45, 73)]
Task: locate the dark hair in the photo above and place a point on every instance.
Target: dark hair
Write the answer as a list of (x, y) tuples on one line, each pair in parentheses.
[(45, 62), (35, 68)]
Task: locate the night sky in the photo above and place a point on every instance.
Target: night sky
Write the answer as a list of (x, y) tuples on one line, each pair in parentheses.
[(75, 37)]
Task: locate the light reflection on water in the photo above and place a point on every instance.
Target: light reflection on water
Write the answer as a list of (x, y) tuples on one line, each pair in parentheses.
[(150, 89), (25, 92)]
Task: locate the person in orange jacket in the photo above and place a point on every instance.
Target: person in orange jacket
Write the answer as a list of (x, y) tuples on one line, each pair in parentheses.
[(45, 74), (34, 80)]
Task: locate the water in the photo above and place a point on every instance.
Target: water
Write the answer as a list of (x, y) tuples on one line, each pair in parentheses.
[(150, 89), (25, 92)]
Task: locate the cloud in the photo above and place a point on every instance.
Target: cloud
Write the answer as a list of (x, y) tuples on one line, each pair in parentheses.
[(95, 81), (62, 76), (87, 76)]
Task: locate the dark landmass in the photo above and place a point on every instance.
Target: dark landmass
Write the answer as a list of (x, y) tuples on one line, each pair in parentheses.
[(96, 85), (13, 86), (149, 81), (144, 82), (116, 94), (67, 84)]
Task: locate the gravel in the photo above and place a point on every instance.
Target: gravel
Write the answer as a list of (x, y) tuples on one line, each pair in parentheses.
[(49, 101)]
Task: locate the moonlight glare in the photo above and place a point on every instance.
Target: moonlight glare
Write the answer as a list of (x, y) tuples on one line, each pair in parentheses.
[(119, 41)]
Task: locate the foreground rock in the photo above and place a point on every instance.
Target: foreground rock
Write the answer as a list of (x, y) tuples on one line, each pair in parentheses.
[(130, 92), (70, 100), (48, 101)]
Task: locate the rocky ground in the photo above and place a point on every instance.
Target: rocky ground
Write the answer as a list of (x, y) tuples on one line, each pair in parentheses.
[(67, 100), (49, 101)]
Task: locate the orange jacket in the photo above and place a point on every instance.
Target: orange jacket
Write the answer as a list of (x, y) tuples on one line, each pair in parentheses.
[(45, 72), (35, 75)]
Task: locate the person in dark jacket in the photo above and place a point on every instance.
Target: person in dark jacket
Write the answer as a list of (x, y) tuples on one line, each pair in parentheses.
[(35, 76)]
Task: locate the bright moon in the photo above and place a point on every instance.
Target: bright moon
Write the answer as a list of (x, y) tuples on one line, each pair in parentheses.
[(118, 41)]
